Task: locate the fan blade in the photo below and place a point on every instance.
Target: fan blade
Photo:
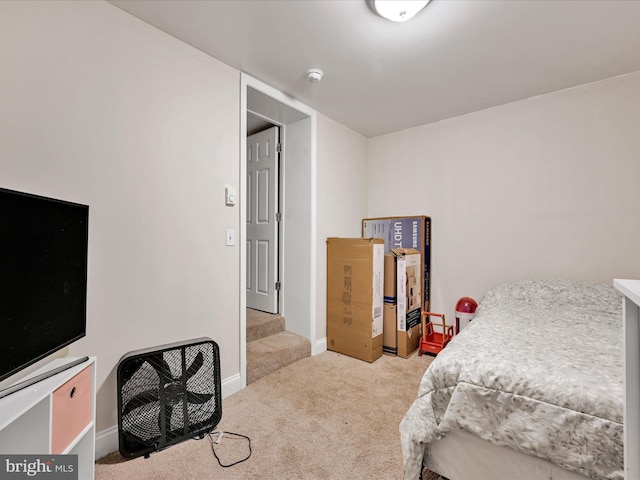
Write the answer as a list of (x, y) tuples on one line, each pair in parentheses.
[(140, 399), (161, 366), (198, 397), (141, 423), (195, 365)]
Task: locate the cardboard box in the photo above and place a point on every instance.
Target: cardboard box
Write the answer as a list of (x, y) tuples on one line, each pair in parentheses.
[(390, 311), (409, 299), (405, 232), (390, 330), (390, 280), (355, 275)]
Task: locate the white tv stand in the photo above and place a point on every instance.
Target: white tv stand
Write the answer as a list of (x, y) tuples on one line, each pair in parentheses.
[(53, 416), (631, 334)]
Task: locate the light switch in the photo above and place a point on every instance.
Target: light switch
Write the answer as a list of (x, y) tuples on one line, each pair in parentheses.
[(230, 196), (231, 237)]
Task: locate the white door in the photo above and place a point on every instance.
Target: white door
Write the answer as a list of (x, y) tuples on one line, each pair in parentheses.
[(262, 225)]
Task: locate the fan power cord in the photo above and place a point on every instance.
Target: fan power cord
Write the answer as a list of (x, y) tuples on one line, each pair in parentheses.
[(218, 439)]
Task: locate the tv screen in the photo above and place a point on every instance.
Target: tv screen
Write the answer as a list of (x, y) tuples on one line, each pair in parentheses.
[(43, 277)]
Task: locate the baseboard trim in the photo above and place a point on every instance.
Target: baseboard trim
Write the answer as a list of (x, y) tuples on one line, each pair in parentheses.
[(107, 440), (319, 347), (231, 385)]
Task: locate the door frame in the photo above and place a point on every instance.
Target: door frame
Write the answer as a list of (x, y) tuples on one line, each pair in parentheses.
[(298, 256)]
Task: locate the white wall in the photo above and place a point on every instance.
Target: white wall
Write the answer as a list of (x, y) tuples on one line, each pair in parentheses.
[(342, 197), (99, 108), (546, 187)]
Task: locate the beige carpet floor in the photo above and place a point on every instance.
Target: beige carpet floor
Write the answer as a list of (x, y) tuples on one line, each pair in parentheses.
[(324, 417)]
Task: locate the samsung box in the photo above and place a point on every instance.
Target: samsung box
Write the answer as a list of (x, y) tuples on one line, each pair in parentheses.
[(355, 275), (403, 302), (405, 232)]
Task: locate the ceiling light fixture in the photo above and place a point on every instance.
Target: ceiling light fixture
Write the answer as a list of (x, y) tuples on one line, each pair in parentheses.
[(397, 10)]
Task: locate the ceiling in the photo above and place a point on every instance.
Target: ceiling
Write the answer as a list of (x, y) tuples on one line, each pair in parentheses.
[(455, 57)]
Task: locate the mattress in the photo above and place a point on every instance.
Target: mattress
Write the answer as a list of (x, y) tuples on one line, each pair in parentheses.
[(539, 370)]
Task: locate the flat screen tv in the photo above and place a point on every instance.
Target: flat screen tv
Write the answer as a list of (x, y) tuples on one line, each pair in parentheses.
[(43, 277)]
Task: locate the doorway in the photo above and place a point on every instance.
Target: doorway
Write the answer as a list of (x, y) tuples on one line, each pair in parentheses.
[(296, 250)]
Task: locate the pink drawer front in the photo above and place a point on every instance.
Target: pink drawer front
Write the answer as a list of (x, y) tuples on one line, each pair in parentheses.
[(71, 411)]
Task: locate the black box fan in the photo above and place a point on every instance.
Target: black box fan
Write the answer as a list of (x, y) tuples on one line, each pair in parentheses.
[(168, 394)]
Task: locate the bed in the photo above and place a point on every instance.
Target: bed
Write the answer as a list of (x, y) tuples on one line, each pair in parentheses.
[(532, 388)]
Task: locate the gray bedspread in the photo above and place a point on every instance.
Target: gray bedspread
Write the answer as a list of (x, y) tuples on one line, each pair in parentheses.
[(539, 370)]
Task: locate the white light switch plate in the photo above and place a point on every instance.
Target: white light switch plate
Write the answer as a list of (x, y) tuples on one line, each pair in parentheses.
[(230, 237)]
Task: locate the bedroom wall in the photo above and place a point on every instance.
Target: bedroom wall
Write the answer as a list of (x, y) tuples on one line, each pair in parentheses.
[(99, 108), (546, 187), (341, 199)]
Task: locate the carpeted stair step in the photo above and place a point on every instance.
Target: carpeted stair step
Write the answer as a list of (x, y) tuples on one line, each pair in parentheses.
[(268, 354), (261, 324)]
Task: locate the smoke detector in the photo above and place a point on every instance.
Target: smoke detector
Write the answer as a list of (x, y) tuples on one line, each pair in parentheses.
[(314, 75)]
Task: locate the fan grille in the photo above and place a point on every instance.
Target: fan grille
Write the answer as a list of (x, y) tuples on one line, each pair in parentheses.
[(168, 395)]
